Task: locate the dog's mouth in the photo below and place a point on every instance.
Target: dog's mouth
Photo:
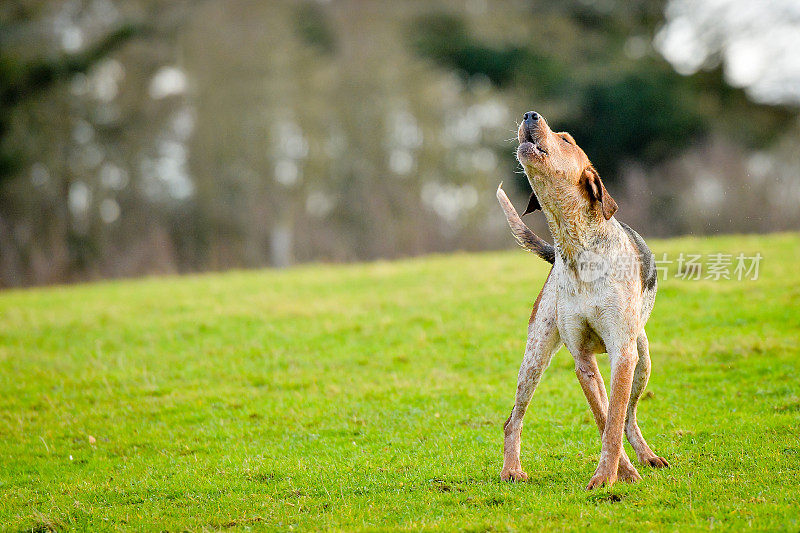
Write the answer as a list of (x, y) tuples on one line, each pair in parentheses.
[(528, 142), (530, 148)]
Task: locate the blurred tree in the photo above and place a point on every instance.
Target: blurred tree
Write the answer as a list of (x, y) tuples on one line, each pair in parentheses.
[(69, 132), (641, 115), (22, 80), (592, 64), (211, 135)]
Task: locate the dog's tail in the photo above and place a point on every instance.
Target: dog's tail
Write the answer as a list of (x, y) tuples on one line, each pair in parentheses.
[(525, 237)]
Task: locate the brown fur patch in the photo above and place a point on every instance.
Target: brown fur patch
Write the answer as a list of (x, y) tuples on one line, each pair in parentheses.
[(598, 193), (508, 421), (539, 298)]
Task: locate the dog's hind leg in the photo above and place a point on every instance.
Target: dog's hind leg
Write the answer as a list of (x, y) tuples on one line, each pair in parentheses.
[(595, 390), (543, 341), (640, 376)]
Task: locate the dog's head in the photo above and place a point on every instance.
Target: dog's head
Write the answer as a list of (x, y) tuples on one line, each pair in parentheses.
[(556, 161)]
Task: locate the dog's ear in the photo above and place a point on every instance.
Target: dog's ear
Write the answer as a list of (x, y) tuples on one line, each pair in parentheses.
[(568, 137), (533, 204), (598, 193)]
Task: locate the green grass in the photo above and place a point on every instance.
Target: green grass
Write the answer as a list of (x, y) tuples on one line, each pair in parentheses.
[(372, 397)]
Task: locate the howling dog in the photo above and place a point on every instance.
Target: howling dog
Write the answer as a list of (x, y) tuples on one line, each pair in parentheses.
[(597, 298)]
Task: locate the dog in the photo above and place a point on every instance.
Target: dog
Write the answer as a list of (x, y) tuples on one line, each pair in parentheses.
[(596, 299)]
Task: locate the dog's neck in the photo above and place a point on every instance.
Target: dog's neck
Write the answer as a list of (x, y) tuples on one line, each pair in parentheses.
[(574, 224)]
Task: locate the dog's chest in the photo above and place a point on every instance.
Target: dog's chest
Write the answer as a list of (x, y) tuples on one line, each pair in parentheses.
[(594, 312), (587, 299)]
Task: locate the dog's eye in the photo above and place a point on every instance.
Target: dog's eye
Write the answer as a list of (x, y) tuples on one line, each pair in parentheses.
[(565, 140)]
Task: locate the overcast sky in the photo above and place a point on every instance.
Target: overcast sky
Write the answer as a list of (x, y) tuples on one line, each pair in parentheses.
[(758, 42)]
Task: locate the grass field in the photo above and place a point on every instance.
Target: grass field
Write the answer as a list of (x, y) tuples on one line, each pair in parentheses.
[(372, 397)]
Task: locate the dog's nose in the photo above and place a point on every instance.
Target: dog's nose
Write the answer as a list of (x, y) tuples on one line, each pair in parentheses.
[(530, 116)]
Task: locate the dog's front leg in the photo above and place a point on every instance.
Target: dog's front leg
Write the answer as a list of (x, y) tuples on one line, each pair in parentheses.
[(543, 341), (623, 362), (595, 390)]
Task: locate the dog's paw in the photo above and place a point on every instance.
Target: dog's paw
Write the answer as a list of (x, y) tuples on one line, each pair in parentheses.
[(656, 462), (628, 473), (513, 475), (601, 479)]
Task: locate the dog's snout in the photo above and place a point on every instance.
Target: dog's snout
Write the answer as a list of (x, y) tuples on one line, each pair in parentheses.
[(530, 116)]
